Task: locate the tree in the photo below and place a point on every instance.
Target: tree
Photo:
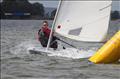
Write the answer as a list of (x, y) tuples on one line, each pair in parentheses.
[(19, 7), (38, 9), (53, 13), (115, 15)]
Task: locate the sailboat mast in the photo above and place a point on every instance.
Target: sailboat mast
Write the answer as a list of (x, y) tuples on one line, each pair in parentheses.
[(48, 44)]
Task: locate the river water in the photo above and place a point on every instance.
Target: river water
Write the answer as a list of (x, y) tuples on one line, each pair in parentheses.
[(17, 63)]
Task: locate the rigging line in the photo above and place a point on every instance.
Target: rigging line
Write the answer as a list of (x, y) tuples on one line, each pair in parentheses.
[(105, 7)]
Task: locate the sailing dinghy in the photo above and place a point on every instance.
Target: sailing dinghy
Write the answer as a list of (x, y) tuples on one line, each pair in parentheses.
[(86, 21)]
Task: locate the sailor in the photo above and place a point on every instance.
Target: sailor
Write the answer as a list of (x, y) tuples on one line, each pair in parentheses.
[(43, 36)]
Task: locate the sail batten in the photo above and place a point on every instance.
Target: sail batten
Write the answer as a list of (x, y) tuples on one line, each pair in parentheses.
[(83, 20)]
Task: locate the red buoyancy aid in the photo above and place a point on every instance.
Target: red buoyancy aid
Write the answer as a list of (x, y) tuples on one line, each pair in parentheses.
[(46, 31)]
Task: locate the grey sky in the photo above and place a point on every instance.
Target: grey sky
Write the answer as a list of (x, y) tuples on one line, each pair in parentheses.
[(54, 3)]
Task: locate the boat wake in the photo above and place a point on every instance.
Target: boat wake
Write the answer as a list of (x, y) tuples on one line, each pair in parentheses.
[(68, 52), (73, 53), (32, 47), (22, 48)]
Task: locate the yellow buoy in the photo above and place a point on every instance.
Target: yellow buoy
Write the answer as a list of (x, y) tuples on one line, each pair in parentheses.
[(109, 52)]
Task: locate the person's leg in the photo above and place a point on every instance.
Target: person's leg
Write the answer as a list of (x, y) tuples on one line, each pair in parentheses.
[(56, 38), (54, 43)]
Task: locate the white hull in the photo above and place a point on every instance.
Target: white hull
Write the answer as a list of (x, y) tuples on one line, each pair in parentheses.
[(68, 52)]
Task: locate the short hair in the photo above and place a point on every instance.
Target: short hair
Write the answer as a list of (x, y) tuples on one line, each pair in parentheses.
[(45, 22)]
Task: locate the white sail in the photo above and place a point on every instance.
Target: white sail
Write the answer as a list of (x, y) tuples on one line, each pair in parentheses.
[(83, 20)]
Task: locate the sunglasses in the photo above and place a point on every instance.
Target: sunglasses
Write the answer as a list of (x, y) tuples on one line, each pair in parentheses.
[(45, 25)]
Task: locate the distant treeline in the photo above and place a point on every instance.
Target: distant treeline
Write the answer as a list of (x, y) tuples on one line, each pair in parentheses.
[(22, 9), (115, 15)]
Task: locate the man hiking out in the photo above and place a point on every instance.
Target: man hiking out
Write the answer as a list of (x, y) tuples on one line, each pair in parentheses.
[(43, 36)]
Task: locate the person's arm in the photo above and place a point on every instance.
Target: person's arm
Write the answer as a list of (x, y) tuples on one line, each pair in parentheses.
[(39, 31), (38, 35)]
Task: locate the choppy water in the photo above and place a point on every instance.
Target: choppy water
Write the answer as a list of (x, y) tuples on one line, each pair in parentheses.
[(17, 63)]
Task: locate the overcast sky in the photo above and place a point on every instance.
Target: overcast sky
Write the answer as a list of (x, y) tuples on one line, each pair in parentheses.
[(54, 3)]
